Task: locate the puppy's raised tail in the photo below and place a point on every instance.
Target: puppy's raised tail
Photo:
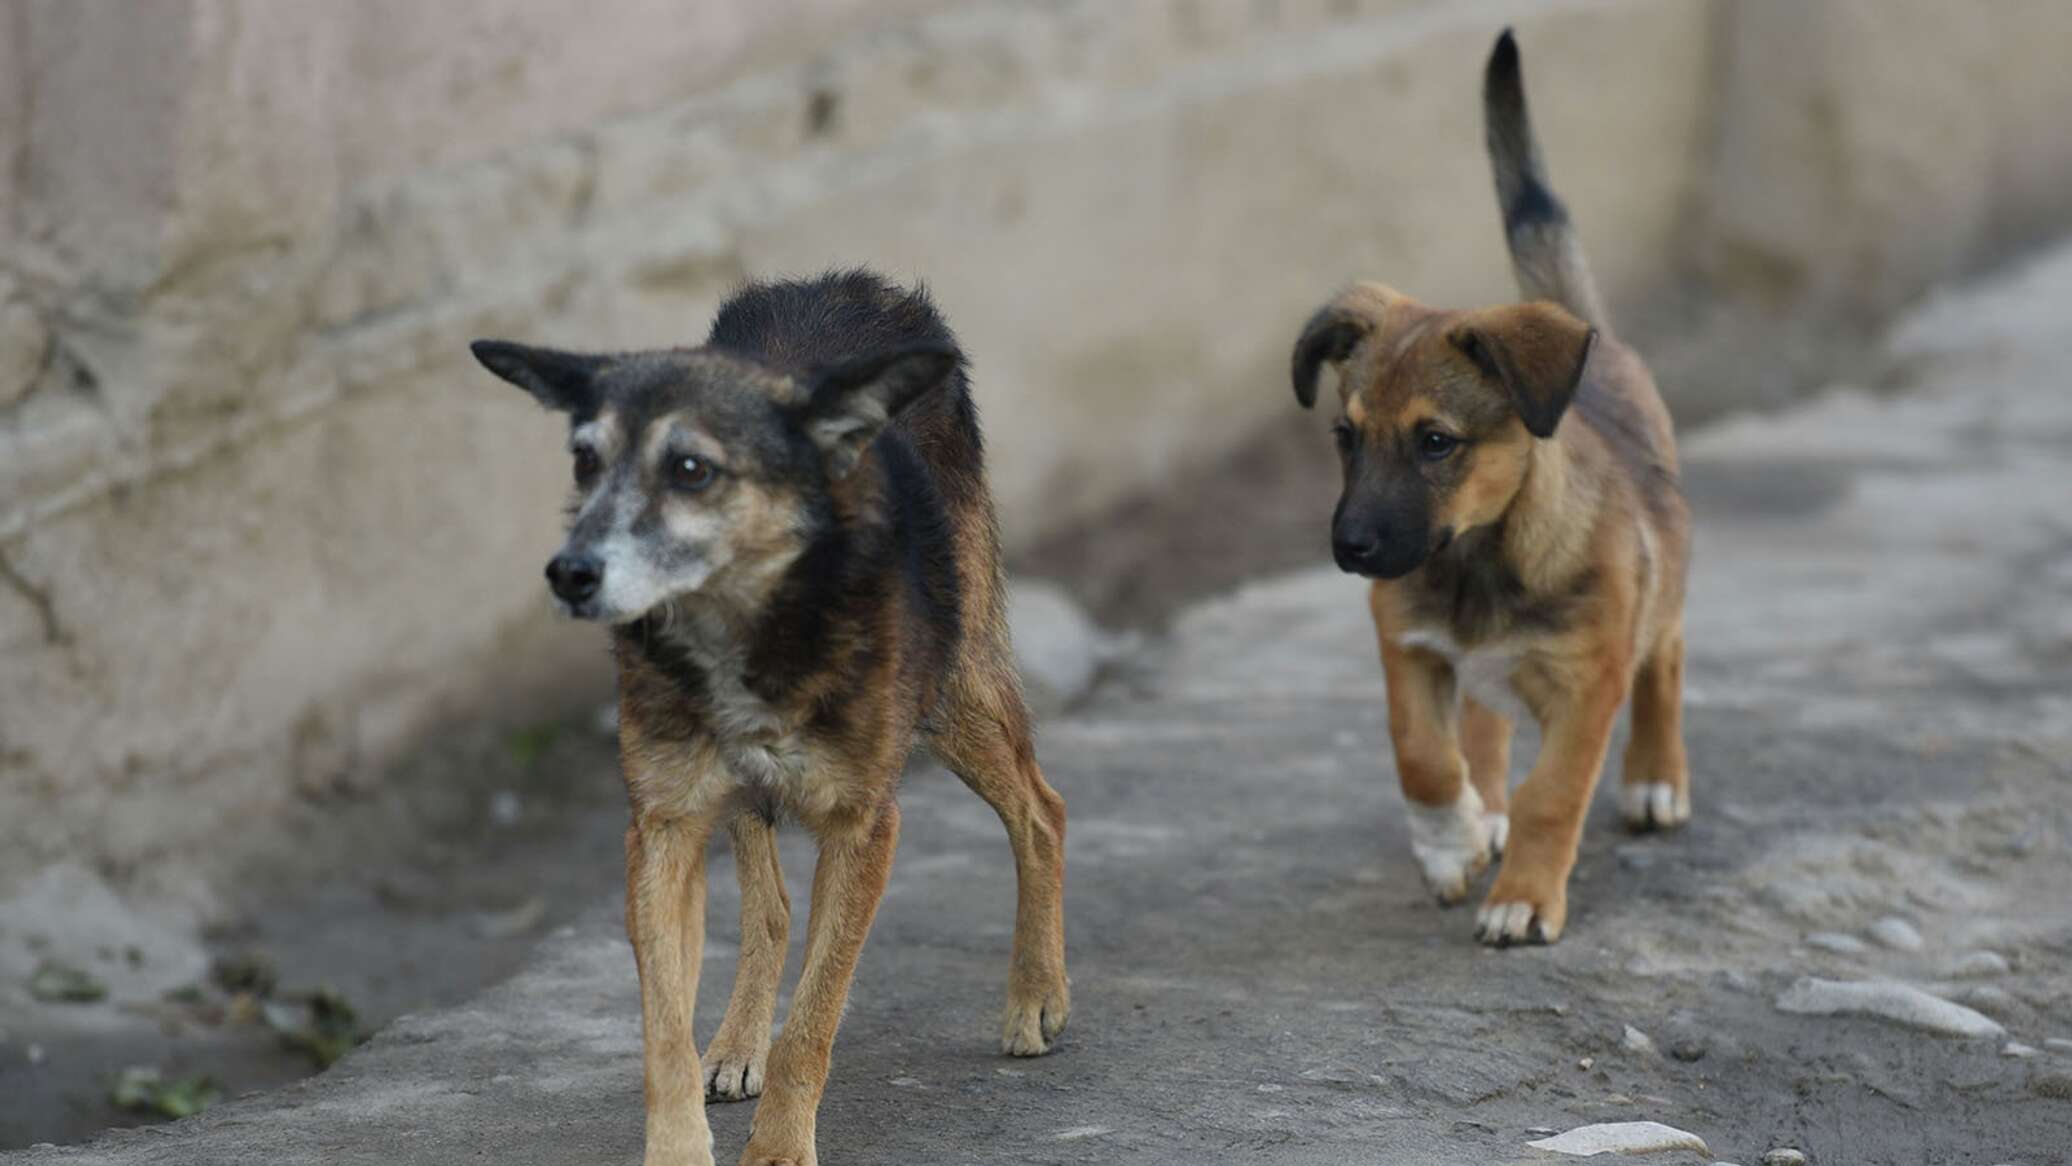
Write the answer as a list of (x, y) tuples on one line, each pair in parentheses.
[(1545, 252)]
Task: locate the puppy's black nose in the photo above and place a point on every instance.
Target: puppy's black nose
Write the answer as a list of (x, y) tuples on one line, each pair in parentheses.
[(1353, 554), (574, 578)]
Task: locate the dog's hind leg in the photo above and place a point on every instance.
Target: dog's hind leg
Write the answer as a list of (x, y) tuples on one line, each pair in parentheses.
[(985, 739), (1485, 737), (855, 862), (739, 1051), (1655, 787)]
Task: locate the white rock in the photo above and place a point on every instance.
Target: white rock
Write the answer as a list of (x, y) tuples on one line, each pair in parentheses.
[(1784, 1157), (1622, 1137), (1896, 933), (1888, 999), (2058, 1044), (1836, 942), (1636, 1041), (1057, 646), (2015, 1048), (1980, 963)]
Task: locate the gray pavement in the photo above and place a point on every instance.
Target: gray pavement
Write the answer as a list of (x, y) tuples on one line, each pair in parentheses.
[(1880, 722)]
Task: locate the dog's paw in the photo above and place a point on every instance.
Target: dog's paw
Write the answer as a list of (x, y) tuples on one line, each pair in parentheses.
[(754, 1157), (1034, 1020), (733, 1073), (1514, 915), (1454, 843), (1654, 805), (1498, 827)]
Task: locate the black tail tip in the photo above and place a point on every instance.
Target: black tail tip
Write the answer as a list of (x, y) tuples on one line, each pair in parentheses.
[(1503, 62)]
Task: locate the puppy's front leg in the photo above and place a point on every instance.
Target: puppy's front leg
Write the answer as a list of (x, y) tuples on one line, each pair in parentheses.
[(855, 862), (665, 918), (1529, 901), (1447, 831)]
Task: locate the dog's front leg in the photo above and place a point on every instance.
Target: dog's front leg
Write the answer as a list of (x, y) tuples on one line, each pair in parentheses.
[(665, 918), (1529, 901), (855, 862), (735, 1059), (1447, 831)]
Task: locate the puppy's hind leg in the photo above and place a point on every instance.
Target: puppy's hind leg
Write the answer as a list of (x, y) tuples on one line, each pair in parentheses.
[(985, 739), (1655, 787), (740, 1050), (1485, 737)]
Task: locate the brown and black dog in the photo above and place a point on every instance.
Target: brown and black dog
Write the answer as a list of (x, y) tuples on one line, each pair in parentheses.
[(1511, 489), (789, 532)]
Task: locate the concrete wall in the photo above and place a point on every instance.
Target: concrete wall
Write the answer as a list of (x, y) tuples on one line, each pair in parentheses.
[(262, 524)]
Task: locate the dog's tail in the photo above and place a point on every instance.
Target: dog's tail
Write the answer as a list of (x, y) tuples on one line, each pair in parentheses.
[(1544, 250)]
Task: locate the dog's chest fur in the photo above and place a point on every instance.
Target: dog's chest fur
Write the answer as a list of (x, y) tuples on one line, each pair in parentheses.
[(1470, 606), (697, 692), (1484, 670)]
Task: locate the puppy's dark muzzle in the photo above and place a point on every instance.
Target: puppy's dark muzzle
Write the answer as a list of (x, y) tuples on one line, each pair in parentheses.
[(1377, 558), (575, 579)]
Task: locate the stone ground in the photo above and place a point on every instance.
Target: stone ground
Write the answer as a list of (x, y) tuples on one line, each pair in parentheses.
[(1880, 717)]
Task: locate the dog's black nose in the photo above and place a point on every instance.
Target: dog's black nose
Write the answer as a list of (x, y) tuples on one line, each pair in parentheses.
[(1354, 554), (574, 578)]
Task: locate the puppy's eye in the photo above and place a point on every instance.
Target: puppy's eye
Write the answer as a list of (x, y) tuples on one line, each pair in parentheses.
[(691, 474), (1433, 445), (1342, 433), (587, 464)]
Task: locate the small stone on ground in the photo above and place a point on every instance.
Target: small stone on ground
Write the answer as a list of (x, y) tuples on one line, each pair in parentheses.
[(1837, 942), (1888, 999), (1622, 1137), (1896, 933), (1980, 963)]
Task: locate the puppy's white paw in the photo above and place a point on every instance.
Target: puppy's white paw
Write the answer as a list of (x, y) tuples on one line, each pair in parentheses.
[(1498, 827), (1452, 843), (1505, 924), (1654, 805)]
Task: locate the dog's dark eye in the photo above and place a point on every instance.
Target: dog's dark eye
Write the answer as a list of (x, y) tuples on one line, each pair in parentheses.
[(587, 464), (691, 474), (1433, 445), (1342, 433)]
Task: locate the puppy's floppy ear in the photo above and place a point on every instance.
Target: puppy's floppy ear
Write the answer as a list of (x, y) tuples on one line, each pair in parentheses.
[(1337, 329), (1328, 338), (566, 381), (847, 404), (1536, 352)]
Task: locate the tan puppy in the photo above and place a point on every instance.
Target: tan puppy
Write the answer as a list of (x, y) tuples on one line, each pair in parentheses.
[(1511, 488)]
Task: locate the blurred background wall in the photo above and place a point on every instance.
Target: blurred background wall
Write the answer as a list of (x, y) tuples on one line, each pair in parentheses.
[(262, 524)]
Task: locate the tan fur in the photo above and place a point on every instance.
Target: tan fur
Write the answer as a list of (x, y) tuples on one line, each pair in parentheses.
[(1580, 526)]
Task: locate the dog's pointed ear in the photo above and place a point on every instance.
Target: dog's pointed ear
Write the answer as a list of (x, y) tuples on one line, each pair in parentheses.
[(1536, 352), (846, 405), (566, 381), (1328, 338)]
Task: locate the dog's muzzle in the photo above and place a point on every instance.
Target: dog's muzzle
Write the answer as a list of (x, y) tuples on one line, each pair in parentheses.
[(575, 579), (1377, 558)]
